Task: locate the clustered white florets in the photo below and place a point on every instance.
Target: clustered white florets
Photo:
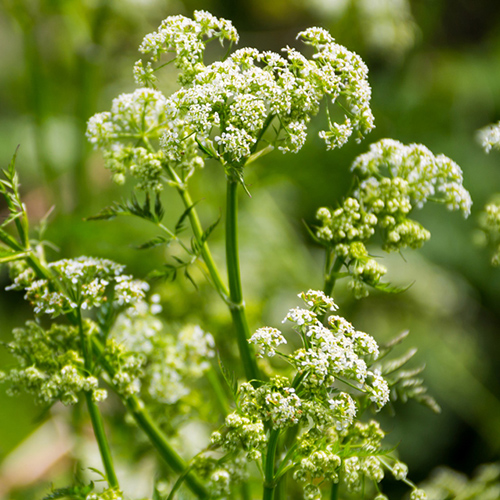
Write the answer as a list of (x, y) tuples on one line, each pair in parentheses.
[(85, 283), (145, 358), (224, 108), (490, 137)]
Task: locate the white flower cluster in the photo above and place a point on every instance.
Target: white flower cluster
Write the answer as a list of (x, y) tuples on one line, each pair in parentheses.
[(186, 38), (415, 172), (129, 136), (274, 402), (268, 339), (317, 301), (225, 108), (51, 366), (336, 351), (490, 137), (85, 283), (146, 358), (238, 95)]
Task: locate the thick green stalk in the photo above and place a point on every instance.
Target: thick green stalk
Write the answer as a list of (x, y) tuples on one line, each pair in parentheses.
[(236, 305), (269, 482), (95, 416), (335, 491)]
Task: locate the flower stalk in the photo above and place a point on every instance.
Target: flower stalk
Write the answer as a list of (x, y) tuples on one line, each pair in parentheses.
[(237, 305), (95, 416)]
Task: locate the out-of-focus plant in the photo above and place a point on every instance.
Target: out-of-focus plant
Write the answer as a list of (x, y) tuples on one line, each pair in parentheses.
[(295, 425)]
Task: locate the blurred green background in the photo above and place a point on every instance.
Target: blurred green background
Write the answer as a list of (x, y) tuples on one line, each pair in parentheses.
[(435, 74)]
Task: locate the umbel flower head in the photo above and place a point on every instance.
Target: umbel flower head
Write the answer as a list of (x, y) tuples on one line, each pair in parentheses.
[(393, 179), (85, 283), (332, 383), (226, 110)]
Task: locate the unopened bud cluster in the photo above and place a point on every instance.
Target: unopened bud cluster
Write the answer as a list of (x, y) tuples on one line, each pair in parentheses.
[(393, 180)]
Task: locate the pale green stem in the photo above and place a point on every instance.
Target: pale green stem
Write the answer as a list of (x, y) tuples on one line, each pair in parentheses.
[(160, 442), (198, 234), (269, 480), (237, 305), (95, 416)]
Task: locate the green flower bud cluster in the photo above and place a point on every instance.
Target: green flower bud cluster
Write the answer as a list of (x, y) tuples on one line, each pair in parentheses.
[(393, 180), (489, 223), (107, 494), (51, 366), (221, 475), (86, 283), (351, 456)]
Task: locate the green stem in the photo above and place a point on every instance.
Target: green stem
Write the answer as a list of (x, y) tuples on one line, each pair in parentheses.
[(335, 491), (269, 482), (102, 441), (159, 441), (236, 304), (198, 234), (95, 416), (330, 274)]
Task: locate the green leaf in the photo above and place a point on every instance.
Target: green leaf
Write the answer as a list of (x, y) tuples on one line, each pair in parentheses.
[(395, 364), (159, 210), (229, 377), (395, 341), (132, 207), (209, 230), (388, 288), (180, 226), (167, 272), (190, 278), (259, 154), (154, 242), (313, 235), (211, 153)]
